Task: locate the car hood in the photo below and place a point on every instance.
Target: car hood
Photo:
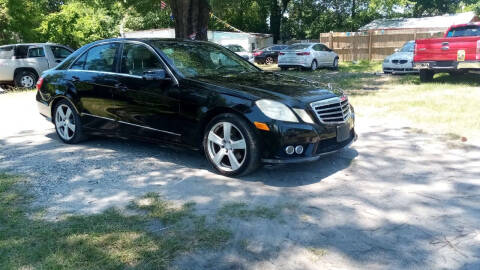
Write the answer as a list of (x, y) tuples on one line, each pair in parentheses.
[(401, 55), (271, 85)]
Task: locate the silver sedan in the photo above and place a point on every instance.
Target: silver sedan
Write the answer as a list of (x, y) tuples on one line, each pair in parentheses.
[(308, 56)]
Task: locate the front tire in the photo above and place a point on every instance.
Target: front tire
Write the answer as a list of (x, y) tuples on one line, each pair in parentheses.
[(231, 145), (25, 79), (314, 65), (67, 123)]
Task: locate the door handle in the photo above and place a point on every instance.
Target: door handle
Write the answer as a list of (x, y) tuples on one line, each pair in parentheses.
[(445, 48), (121, 87), (75, 79)]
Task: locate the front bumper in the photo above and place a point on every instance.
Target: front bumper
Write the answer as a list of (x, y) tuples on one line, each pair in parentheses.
[(317, 140), (399, 68)]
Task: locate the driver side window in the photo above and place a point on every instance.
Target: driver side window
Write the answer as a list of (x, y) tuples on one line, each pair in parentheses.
[(136, 59)]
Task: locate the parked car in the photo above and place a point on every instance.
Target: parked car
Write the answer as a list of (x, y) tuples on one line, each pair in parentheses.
[(197, 94), (241, 51), (268, 55), (22, 64), (458, 51), (401, 62), (308, 55)]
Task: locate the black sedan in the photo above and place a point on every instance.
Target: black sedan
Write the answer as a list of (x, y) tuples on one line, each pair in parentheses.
[(195, 94), (268, 55)]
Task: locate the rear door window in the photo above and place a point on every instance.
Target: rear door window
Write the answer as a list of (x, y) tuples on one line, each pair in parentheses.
[(7, 52), (34, 52), (60, 52), (98, 58)]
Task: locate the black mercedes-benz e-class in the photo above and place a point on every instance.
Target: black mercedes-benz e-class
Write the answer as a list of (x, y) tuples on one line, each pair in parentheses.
[(195, 94)]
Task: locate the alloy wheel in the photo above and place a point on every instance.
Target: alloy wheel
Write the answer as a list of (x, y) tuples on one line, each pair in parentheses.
[(269, 61), (226, 146), (27, 81), (314, 65), (65, 122)]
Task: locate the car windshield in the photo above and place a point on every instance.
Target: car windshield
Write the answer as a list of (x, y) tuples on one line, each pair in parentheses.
[(408, 47), (298, 47), (194, 59)]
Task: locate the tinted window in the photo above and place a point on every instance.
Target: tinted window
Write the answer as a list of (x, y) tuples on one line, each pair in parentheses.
[(466, 31), (98, 58), (36, 52), (235, 48), (6, 52), (21, 51), (60, 52), (277, 48), (137, 59)]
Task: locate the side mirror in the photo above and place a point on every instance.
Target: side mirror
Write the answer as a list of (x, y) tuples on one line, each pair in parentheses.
[(155, 75)]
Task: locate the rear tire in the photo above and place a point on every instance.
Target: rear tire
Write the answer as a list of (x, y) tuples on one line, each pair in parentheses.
[(67, 123), (426, 75), (335, 64), (269, 60), (25, 79), (236, 153)]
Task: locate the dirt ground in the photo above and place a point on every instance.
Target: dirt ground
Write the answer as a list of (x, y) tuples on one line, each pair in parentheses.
[(396, 199)]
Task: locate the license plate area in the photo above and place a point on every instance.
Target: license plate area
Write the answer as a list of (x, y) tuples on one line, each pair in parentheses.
[(343, 133)]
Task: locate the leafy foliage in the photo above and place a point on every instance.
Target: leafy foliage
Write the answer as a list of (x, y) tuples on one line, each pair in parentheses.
[(76, 22)]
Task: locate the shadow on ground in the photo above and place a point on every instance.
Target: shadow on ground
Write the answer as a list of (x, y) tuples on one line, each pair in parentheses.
[(395, 200)]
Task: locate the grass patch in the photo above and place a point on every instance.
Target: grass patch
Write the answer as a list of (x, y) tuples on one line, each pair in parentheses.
[(360, 66), (109, 240), (243, 211)]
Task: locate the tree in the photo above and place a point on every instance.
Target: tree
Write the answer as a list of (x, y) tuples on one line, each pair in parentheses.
[(191, 18), (437, 7), (277, 9)]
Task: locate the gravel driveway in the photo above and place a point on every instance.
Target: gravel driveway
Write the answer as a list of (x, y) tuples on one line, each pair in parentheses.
[(396, 200)]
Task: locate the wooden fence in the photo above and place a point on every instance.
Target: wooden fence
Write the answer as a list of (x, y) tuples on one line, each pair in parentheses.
[(373, 45)]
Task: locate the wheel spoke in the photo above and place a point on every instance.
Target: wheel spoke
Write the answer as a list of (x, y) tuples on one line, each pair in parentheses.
[(60, 123), (71, 127), (61, 113), (233, 160), (215, 138), (240, 144), (65, 133), (69, 112), (219, 156), (227, 128)]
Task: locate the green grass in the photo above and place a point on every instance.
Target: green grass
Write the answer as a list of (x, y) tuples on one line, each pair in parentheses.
[(445, 106), (361, 66), (109, 240), (244, 211)]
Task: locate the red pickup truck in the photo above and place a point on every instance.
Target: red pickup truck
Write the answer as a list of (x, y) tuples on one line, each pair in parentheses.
[(457, 51)]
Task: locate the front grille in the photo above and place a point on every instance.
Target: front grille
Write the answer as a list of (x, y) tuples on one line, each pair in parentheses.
[(332, 110), (402, 62)]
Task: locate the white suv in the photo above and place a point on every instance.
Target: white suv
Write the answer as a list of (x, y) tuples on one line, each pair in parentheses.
[(22, 64)]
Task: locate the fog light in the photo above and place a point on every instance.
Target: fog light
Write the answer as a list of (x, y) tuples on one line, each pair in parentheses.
[(289, 149), (299, 149)]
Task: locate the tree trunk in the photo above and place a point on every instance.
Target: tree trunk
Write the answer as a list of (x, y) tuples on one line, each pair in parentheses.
[(191, 18), (275, 20)]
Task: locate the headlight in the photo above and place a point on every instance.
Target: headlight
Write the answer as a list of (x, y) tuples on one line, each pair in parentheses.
[(276, 110), (304, 115)]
